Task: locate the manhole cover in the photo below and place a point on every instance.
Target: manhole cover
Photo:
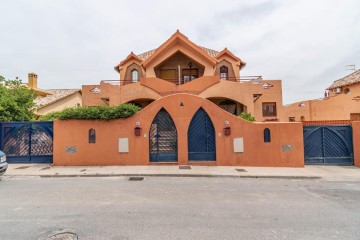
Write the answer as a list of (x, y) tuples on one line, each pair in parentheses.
[(184, 167), (63, 236), (136, 178), (240, 170)]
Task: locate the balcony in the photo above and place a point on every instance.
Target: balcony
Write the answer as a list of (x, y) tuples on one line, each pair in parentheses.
[(177, 81)]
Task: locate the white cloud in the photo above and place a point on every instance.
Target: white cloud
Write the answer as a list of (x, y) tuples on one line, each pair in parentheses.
[(70, 43)]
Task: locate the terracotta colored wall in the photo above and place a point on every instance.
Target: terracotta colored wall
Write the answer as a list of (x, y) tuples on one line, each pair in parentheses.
[(336, 107), (356, 143), (105, 150), (129, 70)]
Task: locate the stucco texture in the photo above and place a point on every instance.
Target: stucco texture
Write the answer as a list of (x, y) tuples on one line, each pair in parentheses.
[(74, 133)]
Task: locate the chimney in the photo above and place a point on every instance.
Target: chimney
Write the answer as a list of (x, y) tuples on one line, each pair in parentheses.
[(32, 80)]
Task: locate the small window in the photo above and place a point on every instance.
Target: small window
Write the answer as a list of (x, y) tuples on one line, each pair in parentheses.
[(267, 137), (291, 119), (269, 109), (224, 73), (134, 75), (346, 90), (302, 118), (92, 135)]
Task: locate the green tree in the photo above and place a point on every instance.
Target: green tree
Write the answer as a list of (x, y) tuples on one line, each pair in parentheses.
[(247, 116), (16, 101)]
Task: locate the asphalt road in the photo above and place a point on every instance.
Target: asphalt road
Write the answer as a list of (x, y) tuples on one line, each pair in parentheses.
[(178, 208)]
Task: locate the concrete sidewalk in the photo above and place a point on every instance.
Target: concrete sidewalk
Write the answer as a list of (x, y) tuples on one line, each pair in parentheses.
[(335, 173)]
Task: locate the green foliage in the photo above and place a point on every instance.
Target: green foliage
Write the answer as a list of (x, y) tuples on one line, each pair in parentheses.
[(99, 113), (16, 101), (247, 117)]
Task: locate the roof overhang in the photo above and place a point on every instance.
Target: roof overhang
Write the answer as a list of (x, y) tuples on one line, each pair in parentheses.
[(176, 39)]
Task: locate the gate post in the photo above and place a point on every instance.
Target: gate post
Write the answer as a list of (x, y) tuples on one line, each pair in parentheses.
[(356, 142)]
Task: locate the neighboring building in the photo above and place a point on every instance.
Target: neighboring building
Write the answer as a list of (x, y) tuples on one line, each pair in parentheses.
[(181, 66), (341, 102), (52, 100)]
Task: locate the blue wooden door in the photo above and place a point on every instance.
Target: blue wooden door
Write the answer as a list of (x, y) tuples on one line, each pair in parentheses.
[(328, 145), (201, 138), (163, 138)]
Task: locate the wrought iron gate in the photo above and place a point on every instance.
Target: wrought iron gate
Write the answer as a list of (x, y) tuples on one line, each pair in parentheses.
[(328, 145), (201, 138), (163, 138), (27, 142)]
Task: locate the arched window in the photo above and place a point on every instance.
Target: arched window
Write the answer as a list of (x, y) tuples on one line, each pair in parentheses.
[(224, 73), (134, 75), (267, 137), (92, 135)]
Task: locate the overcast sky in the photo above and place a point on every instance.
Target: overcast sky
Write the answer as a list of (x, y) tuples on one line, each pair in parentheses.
[(70, 43)]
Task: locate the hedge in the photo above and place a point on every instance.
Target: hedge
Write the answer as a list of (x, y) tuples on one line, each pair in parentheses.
[(98, 112)]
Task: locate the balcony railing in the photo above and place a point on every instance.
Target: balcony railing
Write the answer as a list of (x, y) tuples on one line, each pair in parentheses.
[(243, 79)]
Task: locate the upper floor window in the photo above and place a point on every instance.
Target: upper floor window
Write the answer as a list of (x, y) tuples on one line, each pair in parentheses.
[(224, 73), (269, 109), (135, 75)]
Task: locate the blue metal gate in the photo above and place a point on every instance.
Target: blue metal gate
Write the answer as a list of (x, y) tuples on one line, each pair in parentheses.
[(27, 142), (163, 138), (201, 138), (328, 145)]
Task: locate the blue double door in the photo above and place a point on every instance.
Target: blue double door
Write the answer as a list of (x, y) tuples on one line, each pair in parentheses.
[(164, 144), (328, 145)]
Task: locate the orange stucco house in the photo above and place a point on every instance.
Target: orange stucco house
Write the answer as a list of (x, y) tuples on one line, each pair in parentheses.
[(341, 101), (181, 66), (191, 97)]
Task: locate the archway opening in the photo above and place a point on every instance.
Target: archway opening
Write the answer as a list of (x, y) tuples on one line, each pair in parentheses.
[(229, 105)]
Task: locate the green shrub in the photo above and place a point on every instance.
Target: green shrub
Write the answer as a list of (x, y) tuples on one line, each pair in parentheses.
[(98, 112), (247, 117)]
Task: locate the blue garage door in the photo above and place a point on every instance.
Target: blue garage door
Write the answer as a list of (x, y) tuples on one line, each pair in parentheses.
[(328, 145), (201, 138)]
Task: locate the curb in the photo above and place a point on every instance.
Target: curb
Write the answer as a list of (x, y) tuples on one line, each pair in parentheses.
[(166, 175)]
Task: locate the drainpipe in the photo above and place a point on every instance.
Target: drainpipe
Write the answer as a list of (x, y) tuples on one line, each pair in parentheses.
[(179, 74)]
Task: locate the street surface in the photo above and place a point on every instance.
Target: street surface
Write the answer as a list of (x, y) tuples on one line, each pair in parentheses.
[(178, 208)]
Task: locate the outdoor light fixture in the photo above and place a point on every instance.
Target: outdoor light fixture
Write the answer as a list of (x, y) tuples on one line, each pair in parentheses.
[(227, 131), (137, 131)]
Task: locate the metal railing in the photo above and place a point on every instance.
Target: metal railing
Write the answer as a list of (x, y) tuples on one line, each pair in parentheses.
[(177, 81)]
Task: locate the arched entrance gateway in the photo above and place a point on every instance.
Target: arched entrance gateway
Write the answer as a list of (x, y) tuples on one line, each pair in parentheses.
[(201, 138), (163, 138)]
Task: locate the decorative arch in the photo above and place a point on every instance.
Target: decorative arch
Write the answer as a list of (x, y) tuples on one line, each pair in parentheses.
[(141, 102), (229, 105), (163, 138), (201, 138)]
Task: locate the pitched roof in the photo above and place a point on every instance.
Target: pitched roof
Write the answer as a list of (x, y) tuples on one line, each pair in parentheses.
[(146, 55), (54, 96), (176, 38), (350, 79)]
